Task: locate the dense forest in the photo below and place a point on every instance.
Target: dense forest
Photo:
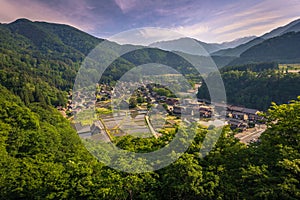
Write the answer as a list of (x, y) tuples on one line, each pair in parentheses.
[(42, 156), (256, 85), (39, 63)]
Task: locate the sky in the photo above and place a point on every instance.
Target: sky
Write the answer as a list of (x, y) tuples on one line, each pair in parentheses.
[(205, 20)]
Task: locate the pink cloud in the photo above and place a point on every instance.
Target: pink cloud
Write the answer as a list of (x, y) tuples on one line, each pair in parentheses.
[(126, 5), (36, 11)]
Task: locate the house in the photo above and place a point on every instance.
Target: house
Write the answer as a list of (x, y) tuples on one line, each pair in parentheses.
[(96, 128), (171, 101), (253, 114), (86, 131), (237, 124), (243, 113), (205, 111), (205, 114), (177, 110), (153, 94), (220, 108), (238, 115), (235, 109), (161, 98)]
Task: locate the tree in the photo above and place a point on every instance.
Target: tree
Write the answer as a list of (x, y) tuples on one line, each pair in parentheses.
[(132, 102)]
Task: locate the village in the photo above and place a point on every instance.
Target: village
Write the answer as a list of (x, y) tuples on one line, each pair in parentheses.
[(151, 109)]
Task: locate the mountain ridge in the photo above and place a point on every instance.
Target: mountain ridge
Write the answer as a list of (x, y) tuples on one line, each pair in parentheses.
[(191, 45), (43, 33), (237, 51), (281, 49)]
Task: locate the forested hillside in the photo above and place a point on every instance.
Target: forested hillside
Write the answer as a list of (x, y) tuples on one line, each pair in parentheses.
[(39, 61), (281, 49), (257, 85), (43, 158)]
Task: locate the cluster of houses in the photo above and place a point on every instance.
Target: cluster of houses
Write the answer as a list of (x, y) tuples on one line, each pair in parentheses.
[(237, 117), (243, 118), (81, 101), (104, 92)]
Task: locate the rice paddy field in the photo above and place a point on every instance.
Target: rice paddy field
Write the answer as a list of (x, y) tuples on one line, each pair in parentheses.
[(133, 123), (122, 123)]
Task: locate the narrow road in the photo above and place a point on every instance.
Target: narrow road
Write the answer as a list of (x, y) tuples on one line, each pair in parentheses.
[(105, 129), (247, 138), (150, 126), (252, 136)]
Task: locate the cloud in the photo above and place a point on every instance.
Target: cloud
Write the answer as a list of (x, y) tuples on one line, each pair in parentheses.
[(126, 5), (242, 19), (68, 12), (193, 30), (257, 19), (207, 20), (145, 36), (11, 10), (248, 23)]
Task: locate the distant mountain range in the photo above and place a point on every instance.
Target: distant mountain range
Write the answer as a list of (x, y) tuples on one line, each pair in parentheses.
[(54, 53), (61, 42), (228, 49), (279, 45), (196, 47)]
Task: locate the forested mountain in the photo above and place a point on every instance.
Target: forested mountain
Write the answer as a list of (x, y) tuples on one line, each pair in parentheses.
[(293, 26), (199, 51), (281, 49), (51, 39), (39, 61), (237, 51)]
